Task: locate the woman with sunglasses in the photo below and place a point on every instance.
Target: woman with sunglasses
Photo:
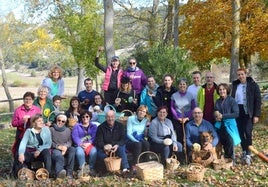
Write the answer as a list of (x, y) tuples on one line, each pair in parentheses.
[(83, 135), (62, 148), (35, 144), (137, 77)]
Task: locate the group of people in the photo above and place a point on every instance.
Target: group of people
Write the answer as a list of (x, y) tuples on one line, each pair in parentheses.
[(166, 119)]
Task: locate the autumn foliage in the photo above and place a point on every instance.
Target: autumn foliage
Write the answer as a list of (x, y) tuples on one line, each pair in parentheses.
[(207, 29)]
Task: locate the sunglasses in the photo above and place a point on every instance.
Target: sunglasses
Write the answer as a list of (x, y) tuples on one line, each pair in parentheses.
[(85, 117), (132, 63), (62, 121)]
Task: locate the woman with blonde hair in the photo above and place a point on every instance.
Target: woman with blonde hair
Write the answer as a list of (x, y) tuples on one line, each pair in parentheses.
[(45, 104), (136, 132), (54, 82)]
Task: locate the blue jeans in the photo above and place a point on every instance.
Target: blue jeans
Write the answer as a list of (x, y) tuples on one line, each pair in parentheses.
[(121, 152), (59, 160), (81, 157)]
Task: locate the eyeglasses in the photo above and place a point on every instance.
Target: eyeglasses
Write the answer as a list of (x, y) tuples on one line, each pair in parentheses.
[(62, 121), (85, 117), (132, 63)]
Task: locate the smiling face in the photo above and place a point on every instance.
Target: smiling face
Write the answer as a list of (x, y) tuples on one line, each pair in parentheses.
[(97, 100), (85, 119), (162, 114), (38, 123), (88, 84), (168, 82), (75, 103), (110, 118), (43, 94), (132, 63), (28, 102), (182, 86), (210, 78), (242, 76), (61, 120), (222, 91), (196, 79)]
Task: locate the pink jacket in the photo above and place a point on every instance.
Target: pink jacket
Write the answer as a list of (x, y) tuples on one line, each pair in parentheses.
[(17, 120), (107, 77)]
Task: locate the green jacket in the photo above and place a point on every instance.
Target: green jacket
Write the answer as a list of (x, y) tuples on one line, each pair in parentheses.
[(201, 96), (47, 110)]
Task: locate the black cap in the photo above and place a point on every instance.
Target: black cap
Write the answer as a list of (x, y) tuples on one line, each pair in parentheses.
[(115, 58), (125, 80)]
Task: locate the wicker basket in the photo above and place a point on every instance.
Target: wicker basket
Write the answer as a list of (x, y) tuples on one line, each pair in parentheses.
[(42, 174), (195, 172), (26, 174), (112, 162), (71, 122), (223, 163), (203, 157), (172, 163), (149, 171), (102, 115), (123, 117)]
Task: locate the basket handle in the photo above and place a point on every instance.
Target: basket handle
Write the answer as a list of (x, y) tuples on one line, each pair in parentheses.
[(173, 156), (112, 154), (148, 152), (110, 106), (195, 165), (126, 110)]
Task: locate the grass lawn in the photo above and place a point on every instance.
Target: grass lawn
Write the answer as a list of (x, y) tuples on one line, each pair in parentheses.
[(240, 175)]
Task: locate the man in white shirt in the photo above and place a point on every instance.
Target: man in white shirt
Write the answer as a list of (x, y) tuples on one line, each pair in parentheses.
[(193, 88)]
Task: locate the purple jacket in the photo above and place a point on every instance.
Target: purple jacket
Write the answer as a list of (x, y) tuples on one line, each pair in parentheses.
[(139, 81), (79, 135)]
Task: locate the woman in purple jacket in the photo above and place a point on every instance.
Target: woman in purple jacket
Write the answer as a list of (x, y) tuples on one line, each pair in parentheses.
[(83, 136), (137, 78)]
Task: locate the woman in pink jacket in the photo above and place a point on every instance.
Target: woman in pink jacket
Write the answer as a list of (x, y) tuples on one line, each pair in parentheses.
[(112, 79)]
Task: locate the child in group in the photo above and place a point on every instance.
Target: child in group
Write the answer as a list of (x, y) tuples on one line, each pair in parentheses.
[(56, 104)]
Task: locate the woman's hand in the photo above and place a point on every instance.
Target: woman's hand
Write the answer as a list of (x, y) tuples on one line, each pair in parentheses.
[(117, 101), (36, 154), (175, 148), (21, 158)]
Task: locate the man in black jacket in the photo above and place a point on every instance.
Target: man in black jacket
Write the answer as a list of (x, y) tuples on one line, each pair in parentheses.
[(248, 97), (111, 137)]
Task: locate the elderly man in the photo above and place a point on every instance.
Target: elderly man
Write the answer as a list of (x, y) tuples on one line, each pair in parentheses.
[(196, 126), (207, 96), (111, 137)]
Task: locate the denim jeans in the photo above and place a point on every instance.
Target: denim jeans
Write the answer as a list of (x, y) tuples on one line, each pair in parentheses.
[(59, 160), (121, 152), (81, 157)]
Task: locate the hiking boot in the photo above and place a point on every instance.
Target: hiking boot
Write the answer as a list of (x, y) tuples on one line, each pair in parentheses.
[(248, 160), (62, 174)]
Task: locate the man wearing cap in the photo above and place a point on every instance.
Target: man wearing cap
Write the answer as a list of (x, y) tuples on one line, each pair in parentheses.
[(113, 73)]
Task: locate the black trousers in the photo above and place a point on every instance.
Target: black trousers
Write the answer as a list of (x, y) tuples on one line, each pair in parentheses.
[(136, 148), (227, 142), (245, 127)]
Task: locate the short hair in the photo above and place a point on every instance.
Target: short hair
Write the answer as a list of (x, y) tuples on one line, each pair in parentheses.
[(29, 94), (182, 80), (53, 69), (87, 79), (84, 112), (62, 115), (196, 72), (132, 58), (42, 88), (162, 107), (226, 86), (242, 69), (56, 97)]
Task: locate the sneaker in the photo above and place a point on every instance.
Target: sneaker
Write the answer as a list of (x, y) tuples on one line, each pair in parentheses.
[(248, 160), (62, 174), (126, 173), (92, 172), (243, 157)]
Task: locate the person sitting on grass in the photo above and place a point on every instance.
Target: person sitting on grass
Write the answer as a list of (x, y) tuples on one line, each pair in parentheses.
[(35, 144), (63, 153)]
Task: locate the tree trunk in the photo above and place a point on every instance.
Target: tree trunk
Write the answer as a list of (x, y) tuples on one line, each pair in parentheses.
[(80, 79), (176, 23), (235, 39), (4, 84), (169, 32), (108, 29), (153, 24)]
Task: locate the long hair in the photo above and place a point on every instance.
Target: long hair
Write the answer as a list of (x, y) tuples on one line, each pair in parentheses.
[(53, 69), (71, 108)]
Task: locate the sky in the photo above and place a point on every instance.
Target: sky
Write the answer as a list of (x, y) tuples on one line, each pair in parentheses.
[(16, 6)]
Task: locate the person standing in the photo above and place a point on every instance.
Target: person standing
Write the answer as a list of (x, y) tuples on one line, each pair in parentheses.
[(147, 95), (54, 82), (163, 94), (137, 77), (86, 96), (193, 88), (226, 110), (248, 97), (112, 78), (207, 96), (182, 105), (62, 148)]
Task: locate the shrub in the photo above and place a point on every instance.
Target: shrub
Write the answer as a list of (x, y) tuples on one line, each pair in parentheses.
[(18, 83)]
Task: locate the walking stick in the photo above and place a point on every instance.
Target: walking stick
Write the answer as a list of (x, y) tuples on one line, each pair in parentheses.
[(184, 137)]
